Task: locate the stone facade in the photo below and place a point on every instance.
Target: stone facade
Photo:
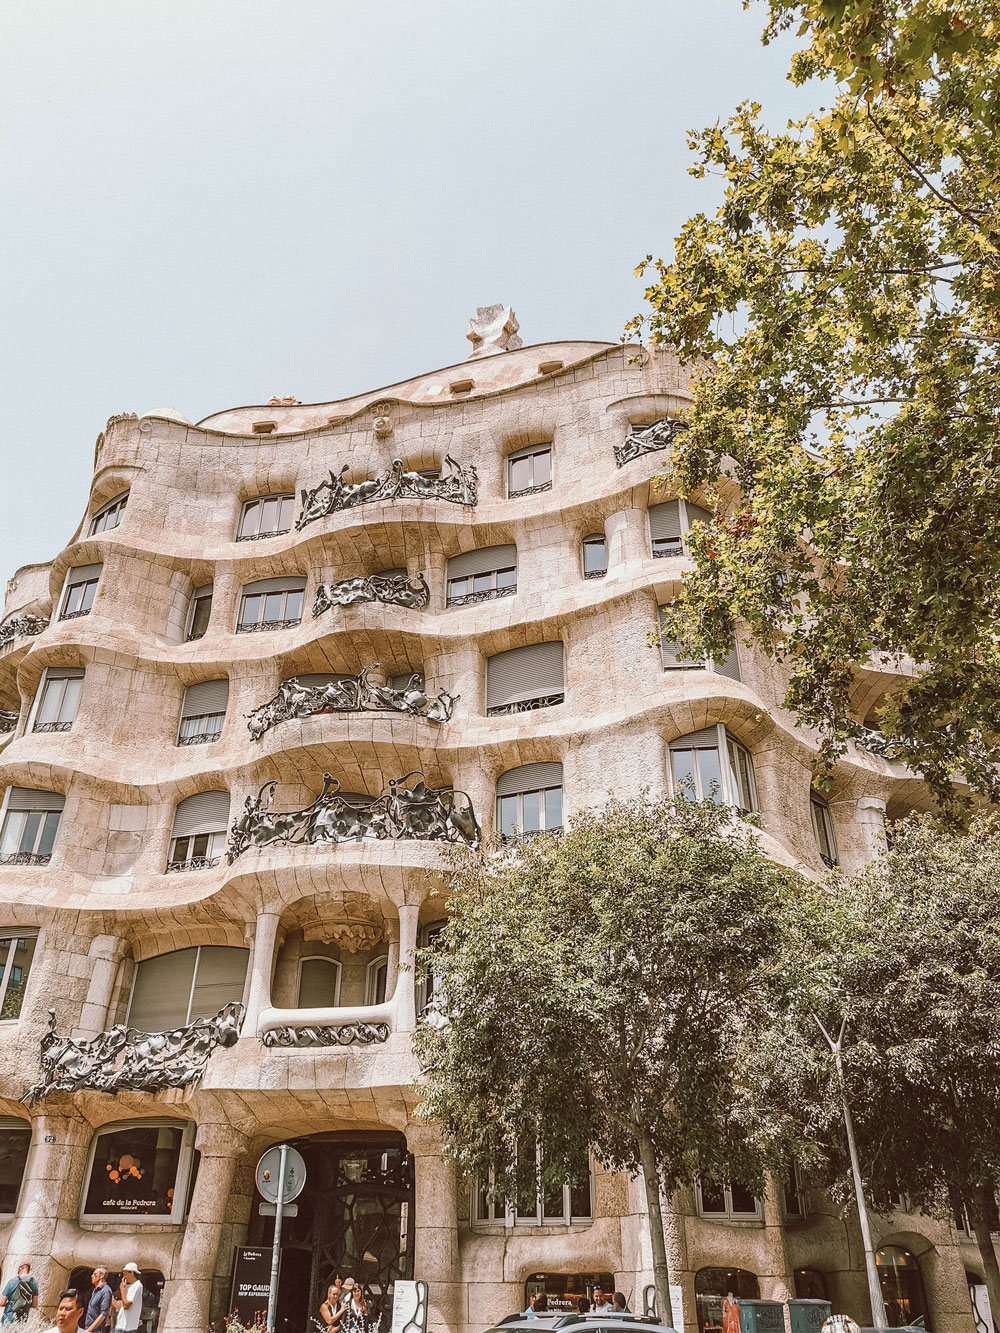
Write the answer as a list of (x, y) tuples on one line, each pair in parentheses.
[(98, 905)]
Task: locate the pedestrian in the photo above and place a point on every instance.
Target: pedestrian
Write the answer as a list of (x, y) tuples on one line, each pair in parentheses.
[(355, 1318), (19, 1295), (539, 1304), (69, 1312), (332, 1309), (621, 1304), (601, 1304), (98, 1316), (128, 1302), (583, 1305)]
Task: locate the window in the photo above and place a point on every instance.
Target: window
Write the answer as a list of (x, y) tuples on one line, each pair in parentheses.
[(794, 1204), (58, 698), (479, 576), (319, 983), (529, 801), (671, 659), (529, 470), (810, 1285), (199, 833), (822, 822), (16, 954), (271, 604), (595, 556), (31, 818), (201, 610), (696, 770), (110, 516), (266, 516), (426, 937), (376, 980), (563, 1290), (203, 712), (713, 1285), (139, 1170), (902, 1286), (730, 1201), (15, 1140), (78, 594), (669, 523), (173, 989), (522, 679), (536, 1205)]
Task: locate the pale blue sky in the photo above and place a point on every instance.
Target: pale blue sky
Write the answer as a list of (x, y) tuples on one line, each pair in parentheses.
[(206, 202)]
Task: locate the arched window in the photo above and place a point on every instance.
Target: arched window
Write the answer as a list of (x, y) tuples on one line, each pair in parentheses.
[(595, 556), (270, 604), (173, 989), (529, 800), (266, 516), (30, 821), (481, 575), (710, 765), (672, 659), (58, 698), (669, 523), (319, 983), (139, 1170), (79, 591), (529, 470), (199, 834), (17, 950), (902, 1286), (110, 516), (713, 1285), (199, 612), (376, 980), (203, 712), (522, 679), (822, 822)]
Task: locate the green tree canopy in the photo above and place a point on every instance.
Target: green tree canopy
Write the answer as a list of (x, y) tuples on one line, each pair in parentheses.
[(597, 987), (841, 312)]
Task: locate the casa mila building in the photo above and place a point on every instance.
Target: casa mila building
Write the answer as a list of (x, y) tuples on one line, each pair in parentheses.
[(291, 654)]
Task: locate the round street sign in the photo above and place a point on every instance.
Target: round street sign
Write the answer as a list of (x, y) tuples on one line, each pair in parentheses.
[(267, 1175)]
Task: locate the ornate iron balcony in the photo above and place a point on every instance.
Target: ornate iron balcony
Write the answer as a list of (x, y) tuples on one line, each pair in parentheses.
[(268, 625), (191, 637), (828, 861), (530, 490), (193, 863), (75, 615), (19, 626), (202, 738), (25, 858), (594, 573), (876, 743), (392, 589), (526, 705), (345, 1034), (648, 440), (52, 726), (484, 595), (670, 553), (259, 536), (352, 694), (454, 483), (528, 835), (8, 720)]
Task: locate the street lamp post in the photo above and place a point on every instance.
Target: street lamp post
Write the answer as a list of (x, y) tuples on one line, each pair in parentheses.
[(874, 1285)]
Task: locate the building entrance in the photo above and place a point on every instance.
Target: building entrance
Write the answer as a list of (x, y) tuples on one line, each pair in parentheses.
[(355, 1219)]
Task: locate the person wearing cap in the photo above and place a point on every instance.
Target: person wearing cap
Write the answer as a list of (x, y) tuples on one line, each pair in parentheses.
[(128, 1302)]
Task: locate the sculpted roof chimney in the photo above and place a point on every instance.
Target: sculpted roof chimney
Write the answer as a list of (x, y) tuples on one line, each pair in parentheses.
[(493, 328)]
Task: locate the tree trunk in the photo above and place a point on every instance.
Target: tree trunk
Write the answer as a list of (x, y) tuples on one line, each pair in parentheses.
[(661, 1269), (979, 1219)]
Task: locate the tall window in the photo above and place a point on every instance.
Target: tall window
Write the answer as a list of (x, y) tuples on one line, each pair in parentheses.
[(78, 594), (58, 698), (271, 604), (535, 1204), (110, 516), (729, 1201), (16, 954), (15, 1140), (902, 1286), (203, 712), (173, 989), (595, 556), (709, 765), (137, 1170), (266, 516), (199, 833), (529, 800), (672, 660), (31, 818), (523, 679), (822, 822), (529, 470), (200, 612), (669, 523), (319, 983), (713, 1285), (794, 1202), (479, 576), (376, 980)]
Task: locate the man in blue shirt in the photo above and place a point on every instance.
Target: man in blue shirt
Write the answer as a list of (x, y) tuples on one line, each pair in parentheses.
[(96, 1319), (19, 1295)]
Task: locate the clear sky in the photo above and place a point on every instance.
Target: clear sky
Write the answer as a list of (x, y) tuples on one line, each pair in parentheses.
[(207, 202)]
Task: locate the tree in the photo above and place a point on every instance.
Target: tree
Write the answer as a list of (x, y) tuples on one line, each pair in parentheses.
[(908, 953), (840, 311), (596, 985)]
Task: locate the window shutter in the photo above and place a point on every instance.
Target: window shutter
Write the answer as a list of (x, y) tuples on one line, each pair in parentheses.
[(83, 574), (484, 560), (64, 673), (669, 649), (529, 777), (208, 696), (696, 514), (162, 991), (292, 584), (665, 520), (218, 979), (207, 812), (729, 665), (706, 739), (531, 449), (32, 798), (525, 673), (318, 983)]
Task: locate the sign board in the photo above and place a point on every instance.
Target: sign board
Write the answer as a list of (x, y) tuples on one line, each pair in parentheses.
[(409, 1307), (267, 1174), (271, 1209), (251, 1282), (676, 1301)]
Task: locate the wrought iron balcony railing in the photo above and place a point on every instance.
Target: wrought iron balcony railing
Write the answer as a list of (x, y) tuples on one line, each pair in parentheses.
[(530, 490), (484, 595), (193, 863), (52, 726), (254, 626), (525, 705), (25, 858)]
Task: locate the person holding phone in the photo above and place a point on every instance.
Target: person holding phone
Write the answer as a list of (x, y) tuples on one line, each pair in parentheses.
[(128, 1301)]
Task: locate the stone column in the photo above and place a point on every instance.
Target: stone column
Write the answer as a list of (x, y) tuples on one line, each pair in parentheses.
[(435, 1228), (104, 959), (871, 821), (212, 1217), (261, 968), (628, 539), (405, 994)]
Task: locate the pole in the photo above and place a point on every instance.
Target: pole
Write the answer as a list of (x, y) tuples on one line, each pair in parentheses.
[(272, 1295), (874, 1284)]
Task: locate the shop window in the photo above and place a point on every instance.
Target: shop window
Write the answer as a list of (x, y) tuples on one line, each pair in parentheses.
[(523, 679), (709, 765), (529, 801), (595, 556), (173, 989), (536, 1204), (58, 698), (672, 660), (319, 983), (729, 1201), (902, 1286), (529, 471), (203, 712), (139, 1170), (78, 593), (481, 575), (376, 980), (713, 1285), (271, 604), (16, 954), (563, 1290), (200, 612), (110, 516), (266, 516), (199, 833), (15, 1140), (30, 822), (810, 1285), (669, 524)]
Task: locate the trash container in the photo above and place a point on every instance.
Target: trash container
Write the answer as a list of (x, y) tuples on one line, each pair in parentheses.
[(761, 1316), (807, 1316)]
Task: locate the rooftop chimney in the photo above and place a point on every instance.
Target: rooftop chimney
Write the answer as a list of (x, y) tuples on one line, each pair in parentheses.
[(493, 328)]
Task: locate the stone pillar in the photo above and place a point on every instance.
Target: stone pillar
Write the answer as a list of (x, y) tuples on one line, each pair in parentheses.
[(50, 1193), (435, 1228), (261, 968), (212, 1217), (871, 822), (628, 539), (103, 959), (405, 993), (777, 1283)]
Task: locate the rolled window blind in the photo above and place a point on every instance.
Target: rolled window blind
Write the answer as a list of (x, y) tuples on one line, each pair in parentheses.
[(206, 812), (665, 520), (208, 696), (729, 665), (706, 739), (64, 673), (290, 584), (162, 991), (669, 649), (531, 449), (525, 673), (529, 777), (218, 979), (696, 514), (33, 798), (318, 979), (400, 682), (484, 560), (83, 574)]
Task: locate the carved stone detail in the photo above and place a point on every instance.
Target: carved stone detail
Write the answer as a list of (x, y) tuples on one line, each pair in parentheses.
[(454, 483), (355, 694), (436, 814), (19, 626), (648, 439), (124, 1059), (8, 720), (346, 1034), (393, 589), (493, 328)]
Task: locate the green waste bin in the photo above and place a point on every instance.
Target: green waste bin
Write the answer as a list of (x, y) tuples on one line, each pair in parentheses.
[(807, 1316), (761, 1316)]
